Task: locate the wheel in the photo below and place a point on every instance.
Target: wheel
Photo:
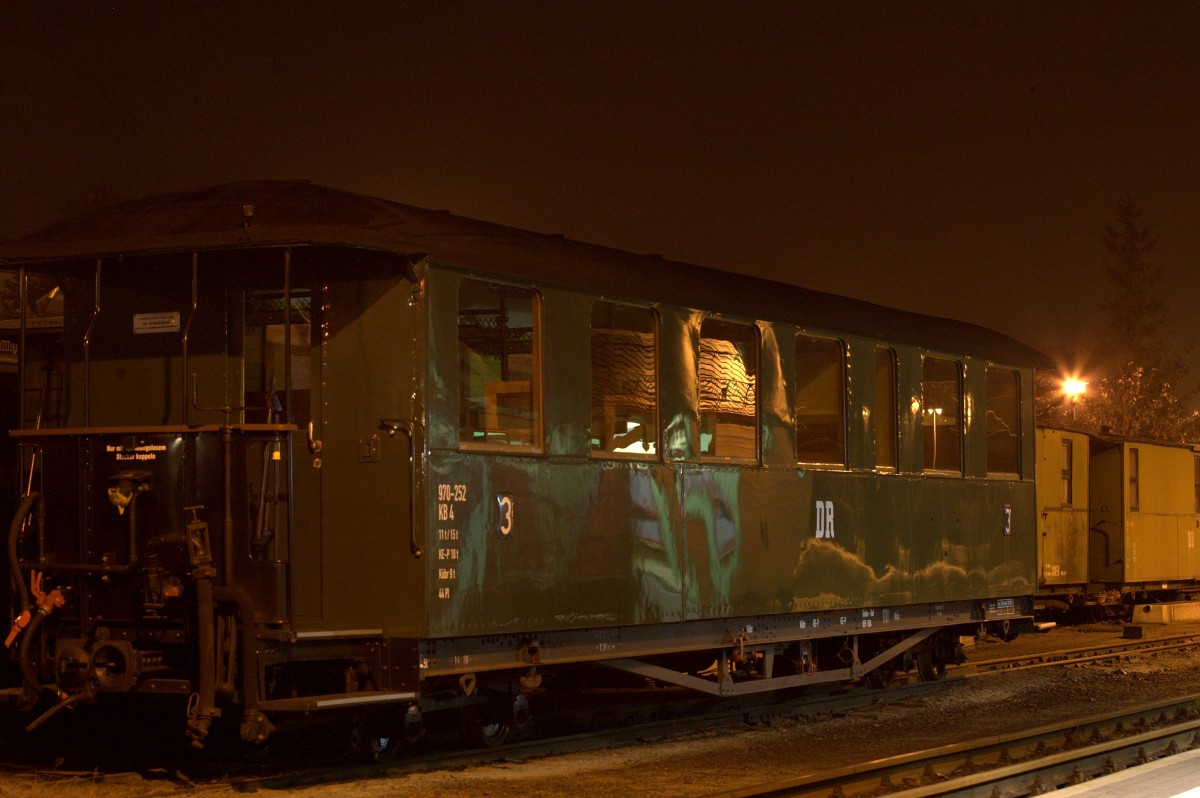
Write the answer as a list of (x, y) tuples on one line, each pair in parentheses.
[(376, 737), (883, 676), (931, 670), (484, 725), (1009, 631)]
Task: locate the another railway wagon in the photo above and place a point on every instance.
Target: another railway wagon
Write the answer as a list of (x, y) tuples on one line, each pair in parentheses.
[(1119, 520), (1062, 490), (329, 453)]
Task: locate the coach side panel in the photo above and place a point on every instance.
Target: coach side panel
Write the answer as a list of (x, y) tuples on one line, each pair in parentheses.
[(549, 536)]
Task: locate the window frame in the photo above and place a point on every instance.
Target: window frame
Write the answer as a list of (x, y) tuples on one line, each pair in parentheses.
[(931, 466), (1196, 478), (839, 400), (265, 358), (656, 337), (893, 398), (1067, 496), (989, 372), (536, 445), (756, 338), (1134, 480)]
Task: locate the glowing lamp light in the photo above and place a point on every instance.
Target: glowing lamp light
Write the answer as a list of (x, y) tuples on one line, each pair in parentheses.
[(1074, 387)]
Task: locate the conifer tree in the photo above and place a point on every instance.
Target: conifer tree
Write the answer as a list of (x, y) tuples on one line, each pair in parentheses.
[(1141, 392)]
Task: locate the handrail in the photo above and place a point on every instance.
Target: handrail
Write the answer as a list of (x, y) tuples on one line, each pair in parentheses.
[(87, 351), (187, 330), (392, 426), (22, 352)]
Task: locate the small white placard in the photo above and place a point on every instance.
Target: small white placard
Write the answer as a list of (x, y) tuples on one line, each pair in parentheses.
[(155, 322)]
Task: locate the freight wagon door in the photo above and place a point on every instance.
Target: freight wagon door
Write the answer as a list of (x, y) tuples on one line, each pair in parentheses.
[(368, 350)]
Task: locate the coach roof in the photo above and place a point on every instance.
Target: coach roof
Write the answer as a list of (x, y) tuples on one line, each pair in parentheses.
[(258, 214)]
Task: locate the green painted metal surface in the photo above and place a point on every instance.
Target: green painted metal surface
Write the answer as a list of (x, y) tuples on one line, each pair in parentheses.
[(558, 539)]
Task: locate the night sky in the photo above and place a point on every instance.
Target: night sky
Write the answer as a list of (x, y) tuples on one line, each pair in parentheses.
[(954, 158)]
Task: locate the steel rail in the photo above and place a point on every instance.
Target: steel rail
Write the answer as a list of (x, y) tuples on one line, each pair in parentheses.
[(285, 771), (724, 714), (1082, 654), (1022, 763)]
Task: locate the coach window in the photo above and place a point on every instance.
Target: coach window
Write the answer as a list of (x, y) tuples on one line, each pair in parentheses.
[(1002, 423), (1135, 489), (820, 406), (624, 382), (498, 364), (269, 323), (884, 408), (1196, 479), (1068, 472), (728, 390), (941, 414)]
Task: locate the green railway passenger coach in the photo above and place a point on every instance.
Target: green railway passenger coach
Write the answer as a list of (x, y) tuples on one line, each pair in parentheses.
[(305, 450)]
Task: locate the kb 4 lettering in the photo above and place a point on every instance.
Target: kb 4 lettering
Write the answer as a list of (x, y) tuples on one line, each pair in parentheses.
[(824, 519)]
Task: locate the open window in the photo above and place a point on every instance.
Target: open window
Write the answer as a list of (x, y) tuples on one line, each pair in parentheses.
[(728, 390), (624, 419)]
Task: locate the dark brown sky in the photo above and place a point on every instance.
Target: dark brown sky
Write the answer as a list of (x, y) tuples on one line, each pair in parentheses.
[(953, 158)]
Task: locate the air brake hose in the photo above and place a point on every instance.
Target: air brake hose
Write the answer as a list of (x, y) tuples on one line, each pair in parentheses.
[(29, 677), (14, 562)]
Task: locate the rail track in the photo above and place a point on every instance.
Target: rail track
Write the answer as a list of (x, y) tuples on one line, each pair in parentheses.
[(685, 717), (679, 714), (1125, 649), (1026, 763), (689, 716), (628, 722)]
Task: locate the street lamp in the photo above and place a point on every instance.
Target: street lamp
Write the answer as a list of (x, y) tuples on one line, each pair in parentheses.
[(1073, 387)]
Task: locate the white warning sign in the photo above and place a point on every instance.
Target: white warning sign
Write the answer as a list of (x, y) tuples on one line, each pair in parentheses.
[(156, 322)]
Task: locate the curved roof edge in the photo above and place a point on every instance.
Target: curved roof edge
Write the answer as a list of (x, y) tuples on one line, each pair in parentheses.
[(270, 213)]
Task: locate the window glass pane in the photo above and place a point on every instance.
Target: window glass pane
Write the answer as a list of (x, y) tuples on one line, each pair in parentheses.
[(1002, 423), (1135, 497), (1068, 473), (941, 414), (820, 416), (728, 390), (624, 385), (269, 323), (498, 364), (1196, 479), (884, 409)]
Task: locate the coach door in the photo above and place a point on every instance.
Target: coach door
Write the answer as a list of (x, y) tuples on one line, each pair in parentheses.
[(364, 423)]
